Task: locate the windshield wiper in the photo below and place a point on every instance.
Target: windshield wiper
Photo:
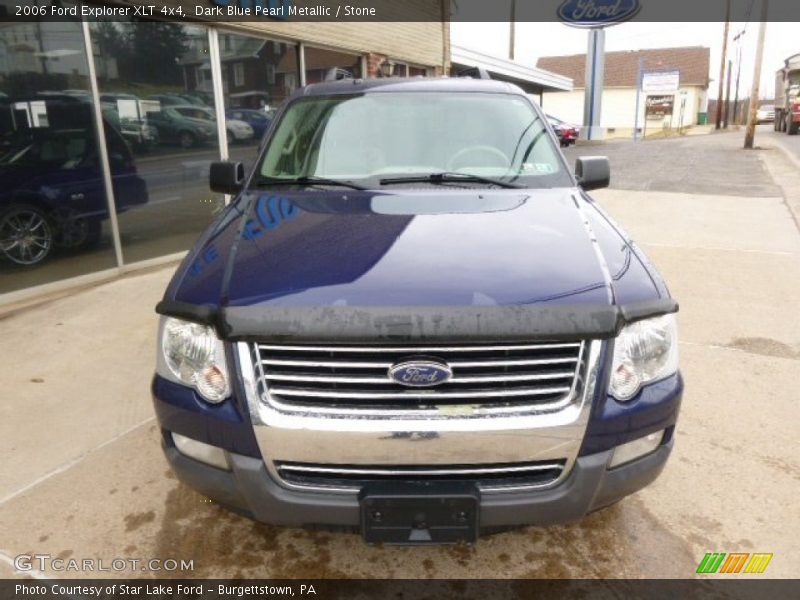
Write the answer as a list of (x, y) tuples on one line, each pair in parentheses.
[(307, 180), (447, 177)]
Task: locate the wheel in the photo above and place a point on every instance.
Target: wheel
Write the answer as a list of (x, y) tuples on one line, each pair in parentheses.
[(79, 233), (792, 128), (230, 137), (187, 139), (26, 236)]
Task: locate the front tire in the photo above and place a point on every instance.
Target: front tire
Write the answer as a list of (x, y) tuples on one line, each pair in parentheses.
[(26, 235), (792, 128)]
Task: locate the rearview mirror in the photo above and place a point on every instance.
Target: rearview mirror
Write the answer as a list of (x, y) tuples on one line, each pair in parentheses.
[(226, 177), (593, 172)]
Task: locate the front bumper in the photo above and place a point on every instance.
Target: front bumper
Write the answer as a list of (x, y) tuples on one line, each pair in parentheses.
[(248, 488)]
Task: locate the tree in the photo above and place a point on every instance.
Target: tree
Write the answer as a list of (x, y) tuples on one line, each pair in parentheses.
[(155, 52)]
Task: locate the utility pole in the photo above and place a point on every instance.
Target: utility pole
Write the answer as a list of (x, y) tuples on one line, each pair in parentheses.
[(728, 93), (750, 135), (737, 39), (722, 62), (512, 33)]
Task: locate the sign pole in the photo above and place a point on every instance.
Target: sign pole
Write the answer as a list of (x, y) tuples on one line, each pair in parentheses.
[(603, 13), (595, 67), (638, 99)]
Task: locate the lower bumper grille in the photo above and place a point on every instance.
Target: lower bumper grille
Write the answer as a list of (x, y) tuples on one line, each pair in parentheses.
[(489, 477)]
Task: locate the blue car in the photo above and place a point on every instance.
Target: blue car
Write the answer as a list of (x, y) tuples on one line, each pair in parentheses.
[(257, 119), (415, 322), (51, 184)]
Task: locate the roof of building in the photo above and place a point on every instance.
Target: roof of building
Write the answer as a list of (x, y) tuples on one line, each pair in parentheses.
[(509, 70), (622, 68)]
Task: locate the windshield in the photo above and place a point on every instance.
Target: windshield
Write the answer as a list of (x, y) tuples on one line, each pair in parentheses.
[(371, 137), (196, 113)]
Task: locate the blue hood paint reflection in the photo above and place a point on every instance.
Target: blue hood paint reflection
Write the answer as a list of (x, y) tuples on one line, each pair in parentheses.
[(454, 248)]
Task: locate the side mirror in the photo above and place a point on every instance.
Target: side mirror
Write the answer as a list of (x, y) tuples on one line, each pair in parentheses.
[(226, 177), (593, 172)]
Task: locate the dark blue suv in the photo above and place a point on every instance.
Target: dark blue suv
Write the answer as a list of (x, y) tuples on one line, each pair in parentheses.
[(413, 320)]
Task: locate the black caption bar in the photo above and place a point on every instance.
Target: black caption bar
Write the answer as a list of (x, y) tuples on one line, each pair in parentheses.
[(579, 12), (215, 589)]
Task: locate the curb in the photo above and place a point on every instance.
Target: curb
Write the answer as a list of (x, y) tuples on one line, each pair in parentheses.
[(791, 193), (788, 153)]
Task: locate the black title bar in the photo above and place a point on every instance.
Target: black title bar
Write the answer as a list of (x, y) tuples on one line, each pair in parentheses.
[(579, 12)]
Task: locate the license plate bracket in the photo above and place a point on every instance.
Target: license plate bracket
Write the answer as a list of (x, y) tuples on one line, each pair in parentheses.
[(420, 512)]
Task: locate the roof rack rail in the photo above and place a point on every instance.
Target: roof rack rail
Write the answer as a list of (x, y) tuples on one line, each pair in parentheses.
[(337, 74), (474, 73)]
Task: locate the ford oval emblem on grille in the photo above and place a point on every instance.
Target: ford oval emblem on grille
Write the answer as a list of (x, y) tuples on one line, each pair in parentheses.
[(420, 373)]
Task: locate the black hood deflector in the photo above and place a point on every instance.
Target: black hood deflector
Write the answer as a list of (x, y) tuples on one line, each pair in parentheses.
[(466, 324)]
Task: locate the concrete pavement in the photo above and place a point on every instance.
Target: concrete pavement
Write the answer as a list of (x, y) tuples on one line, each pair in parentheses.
[(84, 476)]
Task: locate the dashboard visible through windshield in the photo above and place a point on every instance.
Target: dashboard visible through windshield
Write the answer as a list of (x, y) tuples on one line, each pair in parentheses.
[(388, 137)]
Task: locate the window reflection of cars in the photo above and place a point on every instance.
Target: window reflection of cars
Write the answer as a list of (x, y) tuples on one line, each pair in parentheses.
[(128, 115), (257, 119), (186, 126), (52, 193), (236, 130), (167, 99)]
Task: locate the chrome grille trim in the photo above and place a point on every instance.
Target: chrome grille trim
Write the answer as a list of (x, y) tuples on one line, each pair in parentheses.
[(467, 379), (323, 478), (415, 393), (543, 346), (385, 365), (398, 472), (430, 436), (352, 379)]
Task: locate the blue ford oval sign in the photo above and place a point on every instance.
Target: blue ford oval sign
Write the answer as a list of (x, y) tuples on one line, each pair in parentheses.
[(597, 13), (420, 373)]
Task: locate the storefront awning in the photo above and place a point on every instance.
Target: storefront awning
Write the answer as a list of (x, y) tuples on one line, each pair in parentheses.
[(530, 79)]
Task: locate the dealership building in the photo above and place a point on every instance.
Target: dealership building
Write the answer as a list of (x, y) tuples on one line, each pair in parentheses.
[(677, 97)]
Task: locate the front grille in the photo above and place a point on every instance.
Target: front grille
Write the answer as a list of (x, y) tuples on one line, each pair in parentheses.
[(357, 376), (487, 477)]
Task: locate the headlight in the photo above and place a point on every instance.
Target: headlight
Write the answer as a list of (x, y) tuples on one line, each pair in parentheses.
[(644, 352), (192, 354)]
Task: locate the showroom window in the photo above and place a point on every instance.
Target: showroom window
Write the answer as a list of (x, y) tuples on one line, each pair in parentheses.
[(257, 76), (157, 116), (54, 216), (167, 118)]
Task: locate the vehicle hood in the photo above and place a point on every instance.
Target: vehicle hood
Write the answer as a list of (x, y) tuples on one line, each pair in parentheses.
[(431, 247)]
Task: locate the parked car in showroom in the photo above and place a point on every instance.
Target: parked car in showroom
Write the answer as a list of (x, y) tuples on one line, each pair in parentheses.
[(567, 134), (414, 321), (187, 126), (51, 185)]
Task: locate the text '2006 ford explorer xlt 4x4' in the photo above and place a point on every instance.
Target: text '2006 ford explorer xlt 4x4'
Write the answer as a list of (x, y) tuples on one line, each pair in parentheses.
[(412, 320)]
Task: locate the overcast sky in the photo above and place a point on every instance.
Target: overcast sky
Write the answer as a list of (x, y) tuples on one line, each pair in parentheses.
[(551, 39)]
